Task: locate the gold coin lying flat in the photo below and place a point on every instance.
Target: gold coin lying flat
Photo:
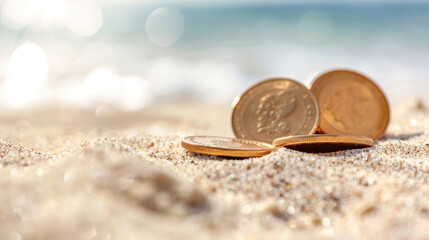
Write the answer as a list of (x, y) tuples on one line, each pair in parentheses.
[(225, 146), (322, 143), (275, 108), (351, 104)]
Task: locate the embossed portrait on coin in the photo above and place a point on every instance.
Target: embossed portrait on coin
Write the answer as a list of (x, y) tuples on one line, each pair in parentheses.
[(273, 110), (348, 106)]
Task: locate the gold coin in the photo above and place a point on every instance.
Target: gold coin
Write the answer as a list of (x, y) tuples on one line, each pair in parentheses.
[(321, 143), (350, 104), (225, 146), (275, 108)]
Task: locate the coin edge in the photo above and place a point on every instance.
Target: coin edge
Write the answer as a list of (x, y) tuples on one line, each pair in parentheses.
[(322, 138), (232, 152)]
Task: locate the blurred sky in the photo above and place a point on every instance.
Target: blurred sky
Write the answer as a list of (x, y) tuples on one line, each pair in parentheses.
[(130, 54)]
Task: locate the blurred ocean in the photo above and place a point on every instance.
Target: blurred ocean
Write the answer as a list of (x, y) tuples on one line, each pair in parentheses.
[(153, 52)]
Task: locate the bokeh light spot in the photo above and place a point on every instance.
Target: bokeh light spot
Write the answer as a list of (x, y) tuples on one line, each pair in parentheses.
[(27, 69), (164, 26), (102, 85), (14, 15), (84, 18), (28, 63), (55, 11), (41, 14), (135, 93)]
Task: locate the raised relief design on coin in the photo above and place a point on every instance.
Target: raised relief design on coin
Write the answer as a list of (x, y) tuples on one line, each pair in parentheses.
[(273, 110), (350, 103), (347, 108)]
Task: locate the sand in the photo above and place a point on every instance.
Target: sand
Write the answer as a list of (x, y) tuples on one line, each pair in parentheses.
[(69, 173)]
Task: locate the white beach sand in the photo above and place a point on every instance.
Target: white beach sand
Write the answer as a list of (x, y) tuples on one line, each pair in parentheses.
[(72, 174)]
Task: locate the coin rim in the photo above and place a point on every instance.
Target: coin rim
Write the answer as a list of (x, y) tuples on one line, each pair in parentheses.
[(317, 80), (226, 152), (322, 138), (236, 101)]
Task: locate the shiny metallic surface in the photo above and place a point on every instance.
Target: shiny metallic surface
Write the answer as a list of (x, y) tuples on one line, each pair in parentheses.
[(225, 146), (275, 108), (350, 103)]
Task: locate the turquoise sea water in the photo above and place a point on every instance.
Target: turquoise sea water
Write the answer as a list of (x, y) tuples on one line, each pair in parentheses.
[(325, 24), (248, 42)]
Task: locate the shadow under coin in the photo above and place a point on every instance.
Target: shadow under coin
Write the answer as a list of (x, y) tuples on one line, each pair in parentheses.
[(207, 157)]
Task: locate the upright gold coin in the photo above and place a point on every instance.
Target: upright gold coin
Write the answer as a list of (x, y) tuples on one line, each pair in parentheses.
[(225, 146), (321, 143), (275, 108), (351, 104)]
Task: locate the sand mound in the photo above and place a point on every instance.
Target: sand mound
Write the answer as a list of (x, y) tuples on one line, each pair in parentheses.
[(90, 177)]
